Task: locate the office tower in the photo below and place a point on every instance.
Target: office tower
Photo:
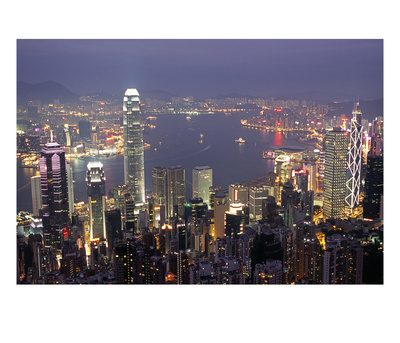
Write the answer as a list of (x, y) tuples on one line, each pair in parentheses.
[(311, 170), (159, 185), (36, 195), (256, 196), (113, 228), (176, 191), (335, 174), (55, 207), (354, 159), (96, 192), (238, 193), (202, 181), (133, 146), (234, 220), (373, 187), (70, 190)]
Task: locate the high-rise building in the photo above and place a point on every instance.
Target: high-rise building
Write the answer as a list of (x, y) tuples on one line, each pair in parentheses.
[(70, 190), (234, 220), (311, 170), (335, 174), (159, 185), (256, 196), (124, 252), (354, 159), (238, 192), (176, 191), (202, 180), (96, 192), (373, 187), (36, 194), (133, 146), (54, 184)]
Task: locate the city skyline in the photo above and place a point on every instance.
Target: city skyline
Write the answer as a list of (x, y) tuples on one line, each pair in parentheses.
[(293, 19)]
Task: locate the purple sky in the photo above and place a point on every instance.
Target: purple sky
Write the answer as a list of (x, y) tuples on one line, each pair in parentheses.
[(207, 67)]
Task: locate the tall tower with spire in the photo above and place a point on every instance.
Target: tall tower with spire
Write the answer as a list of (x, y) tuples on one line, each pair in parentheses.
[(354, 159), (133, 145)]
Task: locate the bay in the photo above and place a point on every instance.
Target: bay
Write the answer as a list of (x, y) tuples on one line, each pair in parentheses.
[(175, 141)]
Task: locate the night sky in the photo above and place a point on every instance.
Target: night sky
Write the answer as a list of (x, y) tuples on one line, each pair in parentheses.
[(207, 67)]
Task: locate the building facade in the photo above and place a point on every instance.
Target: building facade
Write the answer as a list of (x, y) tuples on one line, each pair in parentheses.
[(202, 179), (353, 182), (133, 146), (96, 192), (335, 174), (54, 185)]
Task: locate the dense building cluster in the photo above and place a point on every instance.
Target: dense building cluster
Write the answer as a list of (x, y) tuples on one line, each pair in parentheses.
[(317, 219)]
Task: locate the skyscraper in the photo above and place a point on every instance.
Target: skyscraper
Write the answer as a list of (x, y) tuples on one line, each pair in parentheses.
[(54, 184), (373, 187), (70, 190), (335, 173), (354, 160), (133, 145), (202, 180), (256, 195), (176, 190), (96, 191), (159, 184), (36, 195)]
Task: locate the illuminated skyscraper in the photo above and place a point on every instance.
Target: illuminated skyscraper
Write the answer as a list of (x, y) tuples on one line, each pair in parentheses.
[(335, 173), (133, 145), (54, 184), (354, 160), (96, 191), (202, 180)]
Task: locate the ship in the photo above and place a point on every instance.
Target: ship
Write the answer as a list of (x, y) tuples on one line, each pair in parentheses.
[(269, 154), (240, 140)]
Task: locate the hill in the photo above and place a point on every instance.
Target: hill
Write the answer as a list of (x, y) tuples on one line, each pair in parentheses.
[(46, 92)]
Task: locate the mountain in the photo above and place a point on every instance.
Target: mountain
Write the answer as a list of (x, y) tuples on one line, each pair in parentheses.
[(369, 108), (46, 92), (155, 94)]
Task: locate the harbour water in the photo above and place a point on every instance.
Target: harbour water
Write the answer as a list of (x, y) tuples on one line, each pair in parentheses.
[(177, 141)]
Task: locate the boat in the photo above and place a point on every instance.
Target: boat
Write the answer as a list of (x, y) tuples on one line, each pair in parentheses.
[(269, 154), (240, 140)]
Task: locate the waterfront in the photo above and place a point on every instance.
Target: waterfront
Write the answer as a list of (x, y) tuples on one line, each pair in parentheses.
[(175, 141)]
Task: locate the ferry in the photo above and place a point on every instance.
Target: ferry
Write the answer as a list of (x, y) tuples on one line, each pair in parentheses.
[(240, 141), (269, 154)]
